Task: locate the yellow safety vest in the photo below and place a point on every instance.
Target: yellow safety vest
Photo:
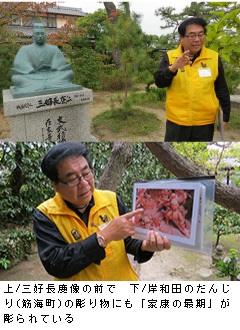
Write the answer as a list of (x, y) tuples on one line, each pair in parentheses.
[(116, 265), (191, 99)]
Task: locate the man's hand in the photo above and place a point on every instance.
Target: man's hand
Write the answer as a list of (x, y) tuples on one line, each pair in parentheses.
[(120, 228), (181, 61), (155, 242)]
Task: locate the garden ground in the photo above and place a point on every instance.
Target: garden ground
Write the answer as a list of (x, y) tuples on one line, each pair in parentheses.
[(101, 103)]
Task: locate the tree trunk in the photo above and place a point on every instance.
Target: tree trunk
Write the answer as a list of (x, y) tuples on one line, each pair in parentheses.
[(111, 10), (226, 196), (126, 6), (121, 156), (218, 238), (17, 177)]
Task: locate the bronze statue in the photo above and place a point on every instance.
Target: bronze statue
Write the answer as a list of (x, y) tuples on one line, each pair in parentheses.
[(41, 68)]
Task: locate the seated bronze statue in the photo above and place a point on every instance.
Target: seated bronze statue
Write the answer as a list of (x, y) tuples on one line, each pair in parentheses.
[(41, 68)]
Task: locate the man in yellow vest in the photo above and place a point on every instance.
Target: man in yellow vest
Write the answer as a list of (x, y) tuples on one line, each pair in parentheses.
[(196, 86), (85, 234)]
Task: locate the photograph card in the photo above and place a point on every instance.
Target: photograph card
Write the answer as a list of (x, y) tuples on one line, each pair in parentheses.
[(170, 208)]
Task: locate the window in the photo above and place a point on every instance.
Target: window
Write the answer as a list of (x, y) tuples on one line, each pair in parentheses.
[(16, 20), (51, 21), (28, 21)]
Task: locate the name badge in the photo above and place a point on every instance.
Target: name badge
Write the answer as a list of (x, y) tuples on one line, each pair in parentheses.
[(204, 72)]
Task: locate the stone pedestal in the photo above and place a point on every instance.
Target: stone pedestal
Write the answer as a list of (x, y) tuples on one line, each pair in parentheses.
[(56, 117)]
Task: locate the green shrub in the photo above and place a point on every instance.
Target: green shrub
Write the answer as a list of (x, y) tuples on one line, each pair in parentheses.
[(22, 184), (232, 75), (225, 222), (7, 54), (229, 266), (115, 81), (155, 97), (14, 245), (4, 263), (139, 122), (86, 64)]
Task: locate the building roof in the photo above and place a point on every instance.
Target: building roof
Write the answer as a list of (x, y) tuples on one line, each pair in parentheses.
[(66, 11)]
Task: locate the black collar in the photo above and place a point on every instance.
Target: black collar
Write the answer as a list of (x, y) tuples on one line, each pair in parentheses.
[(78, 210), (82, 215)]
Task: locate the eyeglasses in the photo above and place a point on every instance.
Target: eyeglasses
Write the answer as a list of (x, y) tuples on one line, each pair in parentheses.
[(74, 182), (201, 36)]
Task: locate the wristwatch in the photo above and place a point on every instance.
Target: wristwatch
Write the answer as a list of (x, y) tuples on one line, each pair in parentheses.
[(101, 240)]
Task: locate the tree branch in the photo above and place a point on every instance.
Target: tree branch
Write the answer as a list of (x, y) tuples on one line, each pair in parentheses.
[(225, 195)]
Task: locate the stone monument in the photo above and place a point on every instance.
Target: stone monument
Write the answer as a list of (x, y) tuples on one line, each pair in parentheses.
[(44, 104)]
